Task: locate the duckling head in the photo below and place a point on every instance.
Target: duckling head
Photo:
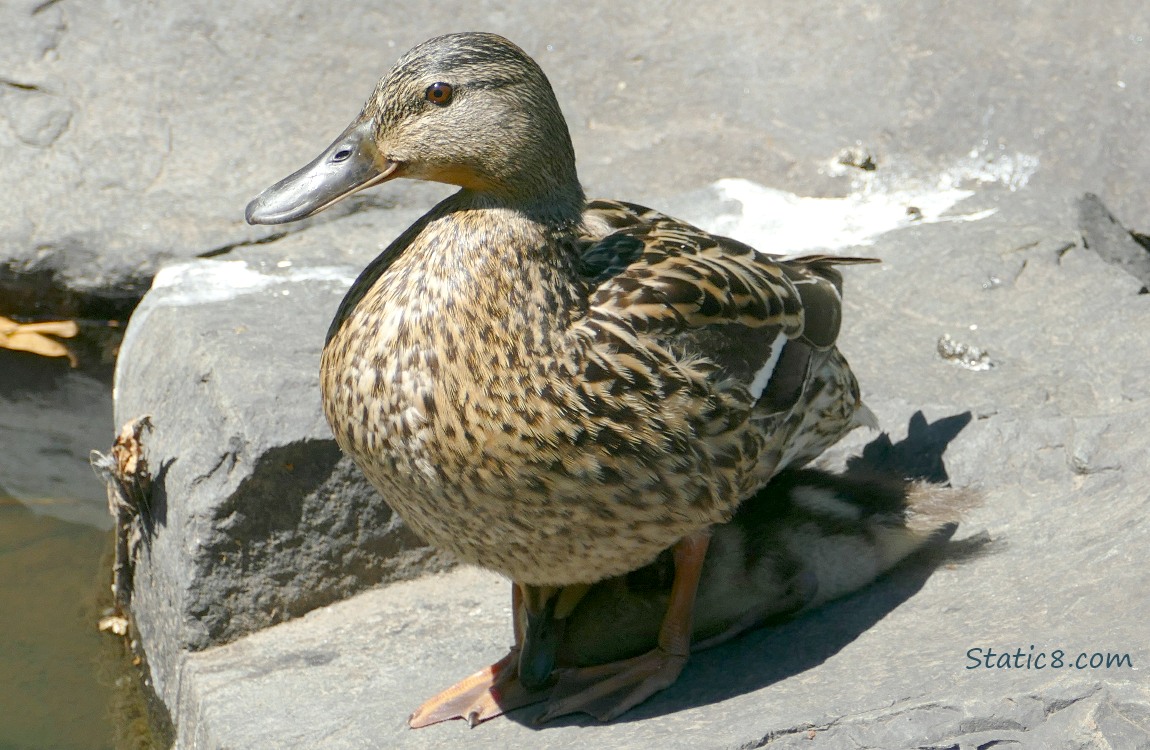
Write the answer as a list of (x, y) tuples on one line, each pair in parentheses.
[(468, 109)]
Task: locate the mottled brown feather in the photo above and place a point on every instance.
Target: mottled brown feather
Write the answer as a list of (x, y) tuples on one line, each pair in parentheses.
[(560, 390)]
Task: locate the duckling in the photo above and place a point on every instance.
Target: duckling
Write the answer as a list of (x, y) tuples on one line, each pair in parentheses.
[(555, 389), (805, 539)]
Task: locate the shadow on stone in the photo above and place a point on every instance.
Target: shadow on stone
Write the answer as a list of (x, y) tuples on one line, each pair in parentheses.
[(1102, 233), (42, 293), (154, 508), (917, 456), (301, 531)]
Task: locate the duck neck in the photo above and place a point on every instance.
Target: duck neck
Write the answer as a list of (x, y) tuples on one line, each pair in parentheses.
[(544, 190), (509, 252), (559, 209)]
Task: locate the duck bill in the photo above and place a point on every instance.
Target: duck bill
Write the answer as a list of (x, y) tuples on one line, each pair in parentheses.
[(351, 163)]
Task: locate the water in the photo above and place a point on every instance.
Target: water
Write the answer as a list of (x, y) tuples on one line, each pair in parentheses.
[(63, 684), (56, 688)]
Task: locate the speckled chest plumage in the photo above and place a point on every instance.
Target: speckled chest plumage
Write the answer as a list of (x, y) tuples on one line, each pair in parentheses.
[(463, 376)]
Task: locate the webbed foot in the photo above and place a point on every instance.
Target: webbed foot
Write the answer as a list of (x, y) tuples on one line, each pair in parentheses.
[(609, 690), (484, 695)]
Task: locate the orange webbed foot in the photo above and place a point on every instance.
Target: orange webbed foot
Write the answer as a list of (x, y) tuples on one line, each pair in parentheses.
[(484, 695), (606, 691)]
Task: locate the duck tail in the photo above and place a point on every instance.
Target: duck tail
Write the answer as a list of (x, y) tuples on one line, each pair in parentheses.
[(849, 530), (864, 417)]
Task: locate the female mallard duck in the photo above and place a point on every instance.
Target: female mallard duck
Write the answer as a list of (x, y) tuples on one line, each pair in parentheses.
[(554, 389), (806, 538)]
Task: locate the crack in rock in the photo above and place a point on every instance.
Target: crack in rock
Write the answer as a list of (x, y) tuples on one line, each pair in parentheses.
[(230, 457), (9, 83), (789, 732), (1054, 705), (225, 249), (44, 6)]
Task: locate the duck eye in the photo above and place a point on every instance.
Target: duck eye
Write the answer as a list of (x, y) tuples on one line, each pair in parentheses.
[(439, 93)]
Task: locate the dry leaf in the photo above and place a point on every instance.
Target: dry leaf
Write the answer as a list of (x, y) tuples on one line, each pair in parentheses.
[(65, 329), (128, 483), (33, 337)]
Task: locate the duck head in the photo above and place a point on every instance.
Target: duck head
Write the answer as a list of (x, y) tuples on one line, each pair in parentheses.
[(468, 109)]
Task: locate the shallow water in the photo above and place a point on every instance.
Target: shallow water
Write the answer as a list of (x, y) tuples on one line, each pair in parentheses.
[(57, 677), (63, 684)]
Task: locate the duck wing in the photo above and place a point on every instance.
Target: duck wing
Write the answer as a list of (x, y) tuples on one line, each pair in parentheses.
[(756, 318)]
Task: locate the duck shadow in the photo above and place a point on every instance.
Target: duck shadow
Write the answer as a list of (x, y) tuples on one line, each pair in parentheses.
[(918, 456), (774, 653)]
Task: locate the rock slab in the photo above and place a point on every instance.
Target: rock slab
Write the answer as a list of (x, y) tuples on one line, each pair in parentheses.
[(255, 515), (1042, 409), (134, 135), (132, 139)]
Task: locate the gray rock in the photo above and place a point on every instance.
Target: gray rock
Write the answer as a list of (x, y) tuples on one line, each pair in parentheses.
[(134, 138), (37, 118), (1052, 434), (1102, 233), (255, 517)]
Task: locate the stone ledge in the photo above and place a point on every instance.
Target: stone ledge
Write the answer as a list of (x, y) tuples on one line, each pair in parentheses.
[(255, 516), (1054, 439)]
